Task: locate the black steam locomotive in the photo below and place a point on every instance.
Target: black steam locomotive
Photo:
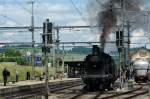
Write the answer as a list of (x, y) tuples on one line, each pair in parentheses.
[(99, 70)]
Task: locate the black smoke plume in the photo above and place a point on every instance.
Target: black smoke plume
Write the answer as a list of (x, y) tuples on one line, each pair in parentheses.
[(108, 15)]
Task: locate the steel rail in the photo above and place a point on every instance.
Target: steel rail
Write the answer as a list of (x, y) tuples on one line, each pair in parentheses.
[(120, 94), (135, 95), (98, 95), (39, 90), (79, 95)]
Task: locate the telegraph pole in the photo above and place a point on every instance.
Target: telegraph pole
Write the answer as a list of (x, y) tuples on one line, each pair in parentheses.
[(33, 42)]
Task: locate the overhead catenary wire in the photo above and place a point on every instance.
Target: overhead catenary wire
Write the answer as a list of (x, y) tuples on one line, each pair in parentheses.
[(13, 20), (4, 15), (24, 8), (79, 12)]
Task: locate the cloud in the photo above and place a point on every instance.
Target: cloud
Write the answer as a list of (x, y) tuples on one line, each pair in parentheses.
[(8, 34), (6, 41), (136, 35), (10, 23), (50, 8), (78, 23)]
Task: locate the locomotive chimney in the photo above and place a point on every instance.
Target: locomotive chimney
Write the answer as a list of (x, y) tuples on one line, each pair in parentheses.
[(96, 49)]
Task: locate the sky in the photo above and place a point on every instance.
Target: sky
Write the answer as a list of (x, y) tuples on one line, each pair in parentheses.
[(61, 13)]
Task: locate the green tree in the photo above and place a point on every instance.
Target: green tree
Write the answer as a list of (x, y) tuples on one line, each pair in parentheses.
[(12, 53)]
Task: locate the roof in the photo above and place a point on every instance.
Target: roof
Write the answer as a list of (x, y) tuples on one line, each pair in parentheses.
[(143, 54)]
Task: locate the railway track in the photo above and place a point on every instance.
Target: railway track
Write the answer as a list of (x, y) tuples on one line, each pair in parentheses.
[(112, 95), (36, 92), (127, 95), (88, 95), (71, 91)]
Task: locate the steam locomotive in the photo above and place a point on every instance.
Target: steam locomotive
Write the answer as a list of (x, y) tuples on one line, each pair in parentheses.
[(100, 71)]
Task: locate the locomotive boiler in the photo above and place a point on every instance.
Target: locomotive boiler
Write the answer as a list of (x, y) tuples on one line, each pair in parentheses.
[(100, 71)]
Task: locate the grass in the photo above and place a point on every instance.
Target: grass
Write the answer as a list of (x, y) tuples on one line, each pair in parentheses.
[(22, 71)]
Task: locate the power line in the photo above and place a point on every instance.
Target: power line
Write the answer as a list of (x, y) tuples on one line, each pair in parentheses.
[(11, 19), (76, 8), (24, 8), (98, 2), (5, 15)]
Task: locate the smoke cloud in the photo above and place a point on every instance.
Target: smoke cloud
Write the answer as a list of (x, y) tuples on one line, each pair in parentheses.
[(108, 15)]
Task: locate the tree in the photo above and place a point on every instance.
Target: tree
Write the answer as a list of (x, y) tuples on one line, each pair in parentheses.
[(12, 53)]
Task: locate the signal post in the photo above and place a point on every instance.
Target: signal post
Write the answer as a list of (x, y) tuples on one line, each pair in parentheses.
[(47, 44), (120, 46)]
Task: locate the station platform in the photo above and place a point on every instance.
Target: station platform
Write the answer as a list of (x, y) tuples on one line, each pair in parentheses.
[(31, 84)]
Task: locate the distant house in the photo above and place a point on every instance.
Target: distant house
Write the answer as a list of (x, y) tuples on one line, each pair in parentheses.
[(143, 53)]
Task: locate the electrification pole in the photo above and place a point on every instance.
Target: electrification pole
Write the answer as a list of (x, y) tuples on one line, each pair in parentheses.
[(63, 59), (57, 40), (33, 42), (122, 61), (128, 28), (57, 52)]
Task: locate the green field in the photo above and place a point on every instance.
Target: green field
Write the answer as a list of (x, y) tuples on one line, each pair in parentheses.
[(22, 71)]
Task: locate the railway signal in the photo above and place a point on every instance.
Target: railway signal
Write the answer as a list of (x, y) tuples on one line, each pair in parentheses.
[(47, 32), (47, 35), (119, 40)]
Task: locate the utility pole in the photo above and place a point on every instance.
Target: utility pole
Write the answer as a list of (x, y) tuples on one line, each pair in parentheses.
[(33, 42), (47, 40)]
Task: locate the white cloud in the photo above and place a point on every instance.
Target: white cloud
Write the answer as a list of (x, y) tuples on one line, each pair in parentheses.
[(136, 35), (52, 8), (8, 34), (5, 41), (11, 23), (78, 23), (139, 38)]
